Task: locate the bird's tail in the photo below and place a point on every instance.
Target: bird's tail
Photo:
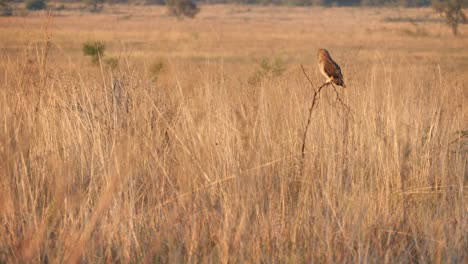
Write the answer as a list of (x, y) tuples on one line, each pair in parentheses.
[(340, 82)]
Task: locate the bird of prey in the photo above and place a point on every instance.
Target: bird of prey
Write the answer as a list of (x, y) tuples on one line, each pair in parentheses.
[(329, 68)]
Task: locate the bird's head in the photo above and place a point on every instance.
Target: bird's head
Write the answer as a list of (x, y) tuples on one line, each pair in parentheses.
[(323, 53)]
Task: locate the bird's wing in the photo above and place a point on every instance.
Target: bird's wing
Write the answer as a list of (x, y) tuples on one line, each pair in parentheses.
[(333, 70)]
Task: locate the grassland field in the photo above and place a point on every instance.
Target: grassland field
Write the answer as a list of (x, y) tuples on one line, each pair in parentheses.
[(183, 143)]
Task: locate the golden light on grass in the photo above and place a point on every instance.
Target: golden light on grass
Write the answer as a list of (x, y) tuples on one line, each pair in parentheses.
[(189, 149)]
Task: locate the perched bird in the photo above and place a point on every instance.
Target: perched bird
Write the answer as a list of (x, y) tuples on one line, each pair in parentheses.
[(329, 68)]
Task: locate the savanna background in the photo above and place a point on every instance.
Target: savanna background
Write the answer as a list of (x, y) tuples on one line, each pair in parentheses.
[(180, 139)]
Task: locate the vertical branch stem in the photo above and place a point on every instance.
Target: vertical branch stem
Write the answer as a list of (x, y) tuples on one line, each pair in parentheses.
[(315, 98)]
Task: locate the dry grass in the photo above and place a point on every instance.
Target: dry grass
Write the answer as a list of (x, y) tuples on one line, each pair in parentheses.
[(189, 151)]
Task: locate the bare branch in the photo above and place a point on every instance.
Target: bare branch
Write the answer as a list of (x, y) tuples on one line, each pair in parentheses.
[(315, 98)]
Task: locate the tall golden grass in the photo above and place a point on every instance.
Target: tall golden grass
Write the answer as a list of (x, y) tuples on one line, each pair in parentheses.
[(190, 150)]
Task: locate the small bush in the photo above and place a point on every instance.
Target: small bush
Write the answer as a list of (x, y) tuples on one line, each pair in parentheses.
[(94, 49), (111, 62), (155, 69), (275, 68), (36, 4), (180, 8)]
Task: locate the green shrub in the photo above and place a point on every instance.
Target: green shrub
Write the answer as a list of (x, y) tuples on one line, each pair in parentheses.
[(268, 69), (36, 4), (95, 50)]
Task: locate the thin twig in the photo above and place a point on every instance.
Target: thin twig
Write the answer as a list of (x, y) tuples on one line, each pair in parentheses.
[(461, 134), (308, 79), (338, 98)]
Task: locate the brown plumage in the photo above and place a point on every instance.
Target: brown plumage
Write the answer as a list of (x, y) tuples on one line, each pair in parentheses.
[(329, 68)]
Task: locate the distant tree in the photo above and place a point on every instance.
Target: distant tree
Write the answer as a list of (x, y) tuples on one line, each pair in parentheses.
[(154, 2), (5, 9), (452, 12), (414, 3), (36, 4), (95, 5), (299, 2), (180, 8), (344, 2), (317, 2), (372, 2)]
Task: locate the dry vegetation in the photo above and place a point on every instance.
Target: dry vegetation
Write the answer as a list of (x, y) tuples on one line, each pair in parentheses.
[(189, 150)]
